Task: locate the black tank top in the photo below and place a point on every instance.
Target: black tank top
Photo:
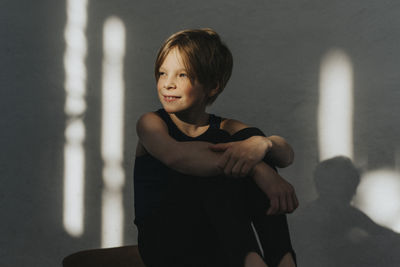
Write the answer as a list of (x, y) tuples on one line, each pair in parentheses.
[(152, 179), (212, 134)]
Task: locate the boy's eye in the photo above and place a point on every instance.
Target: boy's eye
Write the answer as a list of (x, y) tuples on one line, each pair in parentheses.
[(161, 73), (182, 75)]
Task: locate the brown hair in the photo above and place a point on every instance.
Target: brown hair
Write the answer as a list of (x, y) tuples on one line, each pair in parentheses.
[(206, 58)]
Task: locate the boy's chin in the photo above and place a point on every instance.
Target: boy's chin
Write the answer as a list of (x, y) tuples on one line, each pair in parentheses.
[(169, 109)]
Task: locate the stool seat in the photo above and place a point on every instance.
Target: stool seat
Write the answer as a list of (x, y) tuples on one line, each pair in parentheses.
[(126, 256)]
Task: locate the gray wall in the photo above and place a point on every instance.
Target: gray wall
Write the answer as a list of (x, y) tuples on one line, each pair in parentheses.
[(277, 48)]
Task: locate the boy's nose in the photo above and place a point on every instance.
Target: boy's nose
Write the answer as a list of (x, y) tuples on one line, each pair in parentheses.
[(170, 84)]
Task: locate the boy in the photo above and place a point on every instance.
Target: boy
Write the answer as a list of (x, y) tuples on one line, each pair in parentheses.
[(180, 176)]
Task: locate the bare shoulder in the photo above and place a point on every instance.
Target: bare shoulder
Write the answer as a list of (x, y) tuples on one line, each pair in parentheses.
[(148, 117), (232, 126), (150, 121), (148, 124)]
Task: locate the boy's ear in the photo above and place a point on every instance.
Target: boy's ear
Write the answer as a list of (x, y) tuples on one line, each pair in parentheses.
[(213, 91)]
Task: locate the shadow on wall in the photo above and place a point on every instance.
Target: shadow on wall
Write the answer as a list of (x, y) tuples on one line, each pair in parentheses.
[(331, 232)]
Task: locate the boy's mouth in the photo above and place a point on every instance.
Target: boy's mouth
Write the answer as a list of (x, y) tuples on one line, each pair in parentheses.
[(170, 98)]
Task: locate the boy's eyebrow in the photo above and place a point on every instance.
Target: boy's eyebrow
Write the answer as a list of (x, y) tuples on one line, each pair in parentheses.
[(182, 69)]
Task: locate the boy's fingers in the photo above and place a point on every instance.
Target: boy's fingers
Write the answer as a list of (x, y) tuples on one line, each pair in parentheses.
[(223, 161), (237, 168), (282, 203), (245, 170), (274, 206), (228, 167), (290, 203)]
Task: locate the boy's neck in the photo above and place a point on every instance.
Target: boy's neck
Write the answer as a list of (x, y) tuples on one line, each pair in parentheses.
[(192, 124)]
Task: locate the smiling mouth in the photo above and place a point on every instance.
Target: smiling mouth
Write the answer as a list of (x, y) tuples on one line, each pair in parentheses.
[(171, 98)]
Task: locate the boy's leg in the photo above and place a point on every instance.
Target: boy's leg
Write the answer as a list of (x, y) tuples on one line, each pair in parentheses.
[(166, 240), (272, 230), (254, 260), (224, 204), (176, 234), (274, 237)]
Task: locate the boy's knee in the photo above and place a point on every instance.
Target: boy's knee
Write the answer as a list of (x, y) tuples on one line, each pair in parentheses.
[(287, 261), (253, 259)]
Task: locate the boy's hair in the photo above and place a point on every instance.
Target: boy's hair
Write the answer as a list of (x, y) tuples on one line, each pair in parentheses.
[(206, 58)]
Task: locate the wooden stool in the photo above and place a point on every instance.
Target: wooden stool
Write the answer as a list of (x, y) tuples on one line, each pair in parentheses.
[(127, 256)]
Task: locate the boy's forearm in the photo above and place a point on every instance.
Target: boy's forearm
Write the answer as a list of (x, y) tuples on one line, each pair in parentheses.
[(195, 158), (281, 153), (281, 194), (262, 174)]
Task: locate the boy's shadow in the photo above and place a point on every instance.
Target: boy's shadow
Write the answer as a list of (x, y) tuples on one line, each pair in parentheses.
[(331, 232)]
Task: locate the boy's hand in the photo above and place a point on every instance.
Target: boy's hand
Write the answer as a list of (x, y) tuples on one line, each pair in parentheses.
[(282, 197), (240, 157), (281, 194)]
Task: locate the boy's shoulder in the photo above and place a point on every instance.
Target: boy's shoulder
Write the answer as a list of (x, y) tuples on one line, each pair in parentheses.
[(149, 117), (232, 126), (150, 122)]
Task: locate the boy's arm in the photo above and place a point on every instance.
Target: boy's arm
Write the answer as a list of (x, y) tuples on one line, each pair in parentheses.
[(196, 159), (239, 158), (281, 194), (193, 158), (281, 153)]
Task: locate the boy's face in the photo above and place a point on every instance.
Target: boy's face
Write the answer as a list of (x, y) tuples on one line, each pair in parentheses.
[(175, 90)]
